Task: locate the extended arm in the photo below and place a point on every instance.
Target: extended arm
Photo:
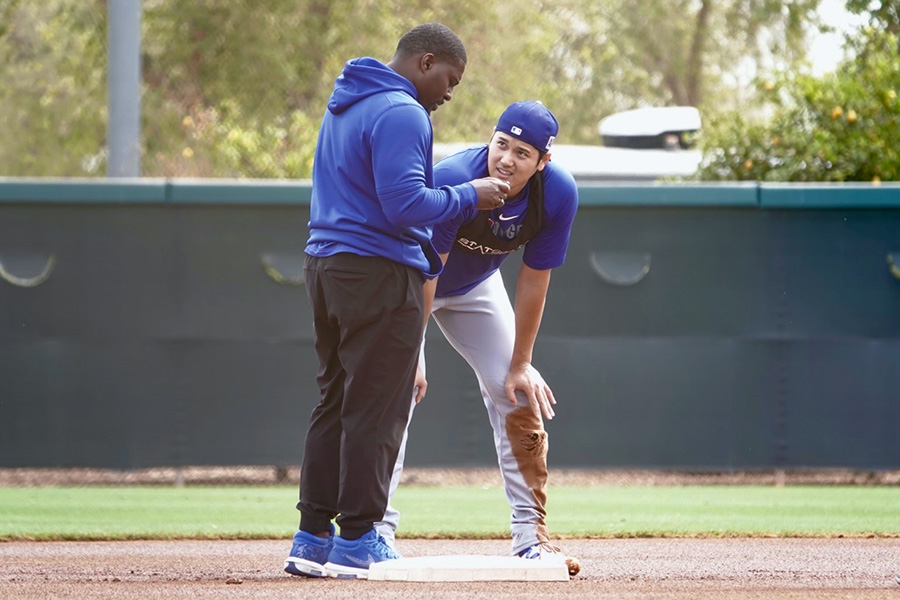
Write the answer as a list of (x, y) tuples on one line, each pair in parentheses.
[(401, 153), (531, 295), (429, 289)]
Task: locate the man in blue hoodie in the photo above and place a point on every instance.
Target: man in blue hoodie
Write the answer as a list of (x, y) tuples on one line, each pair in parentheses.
[(369, 252)]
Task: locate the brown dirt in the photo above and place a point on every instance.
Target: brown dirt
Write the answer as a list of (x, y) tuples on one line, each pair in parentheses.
[(734, 569), (729, 569)]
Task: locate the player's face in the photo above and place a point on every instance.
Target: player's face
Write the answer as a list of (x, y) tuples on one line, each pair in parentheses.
[(514, 161), (438, 80)]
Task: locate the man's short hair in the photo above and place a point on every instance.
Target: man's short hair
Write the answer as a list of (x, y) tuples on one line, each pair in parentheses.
[(433, 38)]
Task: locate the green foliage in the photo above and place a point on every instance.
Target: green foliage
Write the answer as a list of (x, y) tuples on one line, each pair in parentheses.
[(228, 142), (236, 88), (843, 126), (622, 54), (884, 15), (52, 88)]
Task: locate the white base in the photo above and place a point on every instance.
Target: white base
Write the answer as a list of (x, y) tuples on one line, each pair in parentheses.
[(469, 568)]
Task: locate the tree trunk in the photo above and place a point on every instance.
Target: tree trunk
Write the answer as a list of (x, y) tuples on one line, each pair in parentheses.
[(695, 60)]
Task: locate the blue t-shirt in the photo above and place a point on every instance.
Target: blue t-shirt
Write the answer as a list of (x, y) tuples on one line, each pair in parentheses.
[(546, 250)]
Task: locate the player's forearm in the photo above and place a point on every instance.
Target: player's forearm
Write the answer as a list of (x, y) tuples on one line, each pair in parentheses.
[(531, 296), (430, 289)]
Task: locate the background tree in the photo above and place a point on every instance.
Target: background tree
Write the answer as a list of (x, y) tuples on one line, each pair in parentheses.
[(883, 14), (843, 126), (622, 54), (235, 88), (52, 87)]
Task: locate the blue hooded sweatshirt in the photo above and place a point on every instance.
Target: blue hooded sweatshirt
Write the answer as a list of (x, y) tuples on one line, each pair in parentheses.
[(373, 188)]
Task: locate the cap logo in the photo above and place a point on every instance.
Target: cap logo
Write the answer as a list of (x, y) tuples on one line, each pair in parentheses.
[(515, 130), (550, 141)]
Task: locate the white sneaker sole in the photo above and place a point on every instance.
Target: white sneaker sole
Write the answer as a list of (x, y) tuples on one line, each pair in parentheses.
[(303, 567), (345, 572)]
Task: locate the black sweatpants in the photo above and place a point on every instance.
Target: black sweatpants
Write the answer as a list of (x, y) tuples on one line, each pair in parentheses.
[(369, 319)]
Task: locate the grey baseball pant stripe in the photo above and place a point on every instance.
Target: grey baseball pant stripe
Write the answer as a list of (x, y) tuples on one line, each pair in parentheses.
[(480, 325)]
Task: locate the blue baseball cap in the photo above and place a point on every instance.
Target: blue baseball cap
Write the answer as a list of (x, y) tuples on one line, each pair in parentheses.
[(531, 122)]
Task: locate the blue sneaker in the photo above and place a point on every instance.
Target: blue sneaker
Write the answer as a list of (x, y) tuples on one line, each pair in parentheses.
[(309, 554), (350, 559)]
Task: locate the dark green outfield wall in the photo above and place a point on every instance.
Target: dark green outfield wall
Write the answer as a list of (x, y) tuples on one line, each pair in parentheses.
[(164, 322)]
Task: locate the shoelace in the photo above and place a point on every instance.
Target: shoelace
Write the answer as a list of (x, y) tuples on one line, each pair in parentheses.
[(386, 551)]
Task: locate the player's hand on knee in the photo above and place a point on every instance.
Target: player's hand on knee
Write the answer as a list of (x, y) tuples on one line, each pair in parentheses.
[(528, 380), (421, 385)]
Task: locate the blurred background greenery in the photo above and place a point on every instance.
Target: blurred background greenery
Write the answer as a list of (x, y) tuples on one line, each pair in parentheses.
[(236, 88)]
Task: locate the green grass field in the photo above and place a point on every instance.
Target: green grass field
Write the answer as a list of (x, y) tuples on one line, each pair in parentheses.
[(94, 513)]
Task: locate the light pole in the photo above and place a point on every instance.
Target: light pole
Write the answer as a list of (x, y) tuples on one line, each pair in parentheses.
[(124, 88)]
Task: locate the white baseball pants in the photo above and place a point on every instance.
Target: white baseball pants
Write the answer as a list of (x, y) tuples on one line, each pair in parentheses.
[(480, 325)]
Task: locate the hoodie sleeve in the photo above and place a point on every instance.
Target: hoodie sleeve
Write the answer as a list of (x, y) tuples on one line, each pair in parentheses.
[(401, 154)]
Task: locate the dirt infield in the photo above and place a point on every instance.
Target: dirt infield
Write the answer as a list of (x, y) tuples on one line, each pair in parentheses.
[(629, 568)]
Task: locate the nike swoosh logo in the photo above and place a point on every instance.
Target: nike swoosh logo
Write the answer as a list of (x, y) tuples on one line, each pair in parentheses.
[(504, 218), (358, 561)]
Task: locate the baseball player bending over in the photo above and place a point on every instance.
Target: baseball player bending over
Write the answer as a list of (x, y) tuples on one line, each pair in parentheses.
[(470, 305)]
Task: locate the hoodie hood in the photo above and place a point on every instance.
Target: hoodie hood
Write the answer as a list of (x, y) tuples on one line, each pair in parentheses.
[(363, 77)]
